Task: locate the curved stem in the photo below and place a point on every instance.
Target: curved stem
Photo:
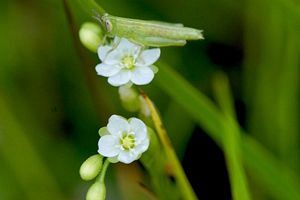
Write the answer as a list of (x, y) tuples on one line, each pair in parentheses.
[(103, 171), (182, 181)]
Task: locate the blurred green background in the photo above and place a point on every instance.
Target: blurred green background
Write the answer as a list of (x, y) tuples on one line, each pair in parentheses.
[(52, 103)]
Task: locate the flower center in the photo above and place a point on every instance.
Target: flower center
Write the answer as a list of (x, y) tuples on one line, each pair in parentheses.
[(128, 61), (127, 141)]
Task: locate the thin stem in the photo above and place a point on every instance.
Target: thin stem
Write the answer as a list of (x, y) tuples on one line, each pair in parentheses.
[(91, 7), (103, 171), (180, 177)]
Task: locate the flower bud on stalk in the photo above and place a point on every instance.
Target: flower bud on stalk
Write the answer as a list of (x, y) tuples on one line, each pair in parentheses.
[(129, 98), (91, 167), (91, 36), (96, 192)]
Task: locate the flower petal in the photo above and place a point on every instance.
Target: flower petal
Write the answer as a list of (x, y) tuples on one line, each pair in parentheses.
[(120, 78), (139, 128), (142, 75), (107, 146), (143, 146), (127, 156), (107, 70), (116, 40), (116, 125), (127, 47), (114, 57), (103, 51), (148, 57)]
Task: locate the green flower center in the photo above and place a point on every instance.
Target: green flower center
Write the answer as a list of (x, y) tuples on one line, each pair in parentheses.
[(128, 61), (127, 141)]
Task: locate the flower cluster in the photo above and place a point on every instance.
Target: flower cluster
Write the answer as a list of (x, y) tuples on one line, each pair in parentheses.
[(122, 140), (125, 62)]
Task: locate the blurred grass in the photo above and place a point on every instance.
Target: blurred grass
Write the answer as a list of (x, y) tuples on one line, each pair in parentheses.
[(266, 168), (232, 139), (55, 103), (273, 95), (183, 132), (32, 175)]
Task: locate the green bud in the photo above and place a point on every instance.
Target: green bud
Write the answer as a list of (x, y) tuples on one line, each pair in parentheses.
[(129, 98), (91, 167), (91, 36), (96, 192)]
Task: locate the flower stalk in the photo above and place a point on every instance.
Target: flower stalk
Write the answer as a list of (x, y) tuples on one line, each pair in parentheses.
[(180, 177), (103, 171)]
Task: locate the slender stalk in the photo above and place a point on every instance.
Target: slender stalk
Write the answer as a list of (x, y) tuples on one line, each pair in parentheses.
[(91, 7), (103, 171), (178, 171)]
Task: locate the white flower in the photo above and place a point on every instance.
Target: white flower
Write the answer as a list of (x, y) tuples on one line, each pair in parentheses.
[(123, 140), (127, 63)]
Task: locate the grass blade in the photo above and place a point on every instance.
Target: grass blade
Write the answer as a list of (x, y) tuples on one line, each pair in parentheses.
[(232, 139)]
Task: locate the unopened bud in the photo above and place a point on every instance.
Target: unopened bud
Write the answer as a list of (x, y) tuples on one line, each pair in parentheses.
[(129, 98), (96, 192), (91, 36), (91, 167)]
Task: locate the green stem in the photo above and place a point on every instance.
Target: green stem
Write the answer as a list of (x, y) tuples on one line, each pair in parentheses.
[(180, 177), (91, 7), (103, 171)]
